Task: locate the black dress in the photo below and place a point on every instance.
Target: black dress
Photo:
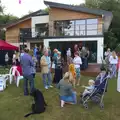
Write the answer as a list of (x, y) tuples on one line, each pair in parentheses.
[(58, 70)]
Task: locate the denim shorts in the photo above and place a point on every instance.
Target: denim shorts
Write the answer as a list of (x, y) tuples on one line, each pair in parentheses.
[(77, 72), (71, 98)]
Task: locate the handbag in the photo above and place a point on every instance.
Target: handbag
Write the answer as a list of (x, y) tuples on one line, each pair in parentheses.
[(53, 65)]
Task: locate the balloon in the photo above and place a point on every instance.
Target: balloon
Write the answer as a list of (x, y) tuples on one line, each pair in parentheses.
[(19, 1)]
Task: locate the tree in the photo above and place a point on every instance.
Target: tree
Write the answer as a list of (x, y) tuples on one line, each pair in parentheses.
[(1, 8), (113, 33), (46, 10), (4, 19)]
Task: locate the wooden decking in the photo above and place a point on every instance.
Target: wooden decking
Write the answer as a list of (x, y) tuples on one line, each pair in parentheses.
[(92, 70)]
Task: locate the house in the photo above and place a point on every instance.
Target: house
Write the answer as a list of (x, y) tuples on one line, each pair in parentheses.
[(63, 27)]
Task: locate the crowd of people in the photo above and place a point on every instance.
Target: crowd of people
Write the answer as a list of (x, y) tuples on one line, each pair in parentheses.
[(27, 61), (111, 60)]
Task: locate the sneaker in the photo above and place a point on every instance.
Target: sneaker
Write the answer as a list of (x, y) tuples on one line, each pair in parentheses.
[(46, 87), (62, 103), (51, 86)]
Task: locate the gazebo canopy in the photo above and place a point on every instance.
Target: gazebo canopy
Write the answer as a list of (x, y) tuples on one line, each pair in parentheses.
[(6, 46)]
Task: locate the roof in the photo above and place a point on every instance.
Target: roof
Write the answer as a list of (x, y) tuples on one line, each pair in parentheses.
[(6, 46), (107, 15), (78, 8), (26, 17)]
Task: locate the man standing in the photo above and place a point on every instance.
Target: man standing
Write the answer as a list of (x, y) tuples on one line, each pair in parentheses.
[(27, 66), (6, 59), (46, 70), (69, 59)]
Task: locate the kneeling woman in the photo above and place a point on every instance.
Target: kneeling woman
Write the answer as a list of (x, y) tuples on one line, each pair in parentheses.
[(67, 94)]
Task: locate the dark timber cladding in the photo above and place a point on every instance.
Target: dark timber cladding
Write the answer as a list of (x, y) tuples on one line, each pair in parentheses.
[(107, 15)]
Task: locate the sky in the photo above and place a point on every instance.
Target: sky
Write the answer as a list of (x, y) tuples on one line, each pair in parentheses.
[(13, 7)]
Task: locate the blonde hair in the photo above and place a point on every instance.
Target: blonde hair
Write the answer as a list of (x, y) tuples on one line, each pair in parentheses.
[(66, 76), (114, 54), (92, 81), (17, 55), (72, 70)]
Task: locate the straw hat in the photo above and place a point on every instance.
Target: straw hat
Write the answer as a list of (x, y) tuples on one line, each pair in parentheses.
[(58, 52), (55, 50)]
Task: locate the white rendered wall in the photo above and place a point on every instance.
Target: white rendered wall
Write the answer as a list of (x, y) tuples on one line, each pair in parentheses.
[(38, 20), (18, 44), (100, 44)]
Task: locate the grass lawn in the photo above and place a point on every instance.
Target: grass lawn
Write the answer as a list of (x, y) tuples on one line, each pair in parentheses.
[(14, 105)]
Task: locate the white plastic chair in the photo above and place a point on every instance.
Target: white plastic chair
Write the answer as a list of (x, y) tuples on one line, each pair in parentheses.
[(19, 77), (3, 79), (12, 73)]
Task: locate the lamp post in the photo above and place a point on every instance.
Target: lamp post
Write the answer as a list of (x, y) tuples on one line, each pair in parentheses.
[(22, 38)]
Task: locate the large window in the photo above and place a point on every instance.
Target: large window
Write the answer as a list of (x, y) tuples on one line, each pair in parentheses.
[(25, 32), (79, 27), (92, 26), (41, 29), (64, 28), (76, 27), (69, 28)]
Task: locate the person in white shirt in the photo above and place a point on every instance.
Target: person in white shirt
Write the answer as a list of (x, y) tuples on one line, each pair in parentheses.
[(6, 59), (77, 62), (69, 52), (69, 58), (14, 58), (113, 63), (107, 55)]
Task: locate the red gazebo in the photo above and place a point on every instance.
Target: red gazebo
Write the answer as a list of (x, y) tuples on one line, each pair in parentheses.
[(6, 46)]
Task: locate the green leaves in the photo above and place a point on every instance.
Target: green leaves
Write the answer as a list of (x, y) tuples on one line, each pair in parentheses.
[(112, 37)]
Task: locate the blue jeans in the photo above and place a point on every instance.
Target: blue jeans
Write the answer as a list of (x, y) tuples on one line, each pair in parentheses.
[(71, 98), (46, 76), (114, 70), (77, 73), (31, 82)]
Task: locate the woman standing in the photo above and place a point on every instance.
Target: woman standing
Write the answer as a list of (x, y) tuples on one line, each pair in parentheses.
[(107, 56), (38, 57), (77, 62), (58, 68), (113, 63)]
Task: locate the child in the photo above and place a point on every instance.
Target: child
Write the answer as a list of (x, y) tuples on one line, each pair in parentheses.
[(77, 62), (35, 63), (72, 73), (90, 88)]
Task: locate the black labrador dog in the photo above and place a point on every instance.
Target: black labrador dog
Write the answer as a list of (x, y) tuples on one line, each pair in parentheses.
[(39, 105)]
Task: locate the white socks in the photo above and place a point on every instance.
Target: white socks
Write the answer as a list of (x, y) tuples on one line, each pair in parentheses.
[(62, 103)]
